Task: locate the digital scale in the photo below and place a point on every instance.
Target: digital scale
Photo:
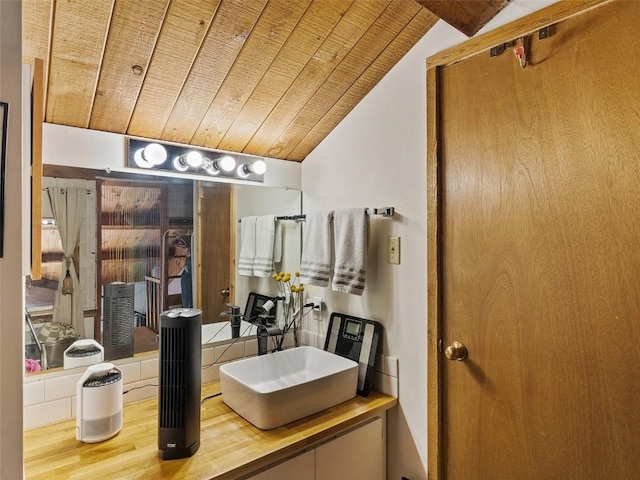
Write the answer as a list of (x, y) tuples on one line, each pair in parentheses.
[(357, 339)]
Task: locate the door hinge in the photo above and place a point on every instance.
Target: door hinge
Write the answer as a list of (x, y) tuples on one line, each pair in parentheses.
[(440, 344)]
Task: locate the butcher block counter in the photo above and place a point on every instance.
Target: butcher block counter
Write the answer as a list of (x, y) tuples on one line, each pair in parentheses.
[(230, 447)]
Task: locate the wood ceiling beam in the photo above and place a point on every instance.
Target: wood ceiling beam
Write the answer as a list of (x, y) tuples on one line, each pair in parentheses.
[(468, 16)]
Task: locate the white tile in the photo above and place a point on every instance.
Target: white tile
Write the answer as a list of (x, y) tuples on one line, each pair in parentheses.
[(130, 372), (386, 365), (391, 366), (33, 393), (142, 390), (386, 384), (47, 413), (288, 341), (60, 387), (251, 347), (207, 356), (211, 374), (312, 339), (149, 368), (232, 351)]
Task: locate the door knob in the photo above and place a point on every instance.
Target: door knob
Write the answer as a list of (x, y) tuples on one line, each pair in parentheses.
[(225, 292), (456, 351)]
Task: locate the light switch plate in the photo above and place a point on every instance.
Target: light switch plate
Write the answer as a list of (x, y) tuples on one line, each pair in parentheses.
[(393, 250)]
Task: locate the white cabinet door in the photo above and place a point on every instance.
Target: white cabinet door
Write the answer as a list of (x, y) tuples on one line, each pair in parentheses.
[(301, 467), (357, 455)]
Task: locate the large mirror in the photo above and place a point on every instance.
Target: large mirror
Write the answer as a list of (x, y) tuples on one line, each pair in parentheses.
[(146, 244)]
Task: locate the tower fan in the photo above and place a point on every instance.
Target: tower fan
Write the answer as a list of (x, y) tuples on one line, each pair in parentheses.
[(179, 382), (117, 311)]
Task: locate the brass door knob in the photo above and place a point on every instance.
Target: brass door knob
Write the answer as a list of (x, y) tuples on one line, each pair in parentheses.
[(225, 292), (456, 351)]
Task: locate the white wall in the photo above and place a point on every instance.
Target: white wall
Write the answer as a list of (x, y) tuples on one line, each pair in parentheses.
[(11, 280), (377, 157)]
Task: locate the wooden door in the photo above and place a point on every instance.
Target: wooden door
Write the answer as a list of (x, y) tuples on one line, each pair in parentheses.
[(214, 250), (540, 256)]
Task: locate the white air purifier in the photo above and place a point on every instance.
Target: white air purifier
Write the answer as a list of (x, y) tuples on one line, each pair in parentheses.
[(82, 353), (99, 403)]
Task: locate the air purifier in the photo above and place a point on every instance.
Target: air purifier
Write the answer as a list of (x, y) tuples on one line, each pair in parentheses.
[(82, 353), (179, 383), (117, 309), (99, 403)]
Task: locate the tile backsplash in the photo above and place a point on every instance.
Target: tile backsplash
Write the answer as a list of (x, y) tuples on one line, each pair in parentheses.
[(51, 397)]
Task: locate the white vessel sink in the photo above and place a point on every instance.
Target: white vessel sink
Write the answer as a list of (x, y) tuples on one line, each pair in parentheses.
[(278, 388)]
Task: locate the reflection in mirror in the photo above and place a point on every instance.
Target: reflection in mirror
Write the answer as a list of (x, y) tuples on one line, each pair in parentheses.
[(164, 236)]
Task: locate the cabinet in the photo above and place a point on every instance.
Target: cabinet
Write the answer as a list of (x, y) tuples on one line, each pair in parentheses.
[(301, 467), (358, 454)]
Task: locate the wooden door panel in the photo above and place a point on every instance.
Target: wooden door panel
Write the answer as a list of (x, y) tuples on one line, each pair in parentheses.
[(541, 257), (215, 219)]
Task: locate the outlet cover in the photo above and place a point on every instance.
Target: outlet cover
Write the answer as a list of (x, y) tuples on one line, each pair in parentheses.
[(393, 250)]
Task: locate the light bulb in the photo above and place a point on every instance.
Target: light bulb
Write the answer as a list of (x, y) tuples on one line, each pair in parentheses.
[(179, 165), (227, 163), (243, 171), (141, 162), (154, 153), (194, 158), (259, 167)]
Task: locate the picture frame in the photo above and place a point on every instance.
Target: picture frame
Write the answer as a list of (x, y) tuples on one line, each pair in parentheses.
[(4, 124)]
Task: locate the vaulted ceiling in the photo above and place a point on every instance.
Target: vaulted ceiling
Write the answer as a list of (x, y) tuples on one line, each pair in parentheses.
[(264, 77)]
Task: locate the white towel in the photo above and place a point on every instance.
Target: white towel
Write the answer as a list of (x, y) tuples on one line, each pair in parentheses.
[(315, 265), (277, 244), (247, 245), (350, 236), (265, 237)]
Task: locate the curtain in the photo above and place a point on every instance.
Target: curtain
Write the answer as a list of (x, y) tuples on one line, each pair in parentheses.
[(68, 205)]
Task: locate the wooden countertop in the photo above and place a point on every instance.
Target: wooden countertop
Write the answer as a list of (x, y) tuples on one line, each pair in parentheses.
[(230, 447)]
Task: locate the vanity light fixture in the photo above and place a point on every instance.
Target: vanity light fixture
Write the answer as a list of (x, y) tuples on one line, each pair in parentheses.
[(258, 167), (198, 161)]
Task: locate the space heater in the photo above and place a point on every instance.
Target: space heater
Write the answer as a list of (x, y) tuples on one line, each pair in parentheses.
[(179, 381), (99, 403), (117, 308)]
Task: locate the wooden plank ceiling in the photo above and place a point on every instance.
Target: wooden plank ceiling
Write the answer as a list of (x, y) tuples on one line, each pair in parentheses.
[(265, 77)]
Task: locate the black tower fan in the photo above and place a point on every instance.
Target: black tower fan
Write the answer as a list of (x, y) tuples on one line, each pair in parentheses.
[(117, 303), (179, 383)]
